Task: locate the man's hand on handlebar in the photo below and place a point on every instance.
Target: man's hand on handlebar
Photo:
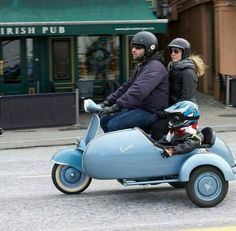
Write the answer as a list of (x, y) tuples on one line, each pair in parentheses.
[(111, 109)]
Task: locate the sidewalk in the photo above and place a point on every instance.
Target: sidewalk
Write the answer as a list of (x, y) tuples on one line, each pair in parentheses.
[(40, 137), (213, 114)]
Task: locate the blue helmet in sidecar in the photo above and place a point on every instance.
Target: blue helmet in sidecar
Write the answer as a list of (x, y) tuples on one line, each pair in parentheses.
[(185, 113)]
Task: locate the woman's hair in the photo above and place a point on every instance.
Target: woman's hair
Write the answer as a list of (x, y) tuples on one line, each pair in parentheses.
[(199, 63)]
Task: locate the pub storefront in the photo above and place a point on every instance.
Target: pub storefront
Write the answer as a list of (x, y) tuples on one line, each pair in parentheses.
[(51, 46), (47, 47), (33, 65)]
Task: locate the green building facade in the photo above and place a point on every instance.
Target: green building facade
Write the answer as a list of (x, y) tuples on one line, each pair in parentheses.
[(47, 46)]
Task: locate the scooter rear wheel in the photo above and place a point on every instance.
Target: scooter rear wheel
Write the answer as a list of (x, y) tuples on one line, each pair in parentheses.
[(69, 180), (207, 186)]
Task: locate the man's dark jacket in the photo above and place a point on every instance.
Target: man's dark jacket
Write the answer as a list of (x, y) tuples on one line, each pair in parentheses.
[(147, 89)]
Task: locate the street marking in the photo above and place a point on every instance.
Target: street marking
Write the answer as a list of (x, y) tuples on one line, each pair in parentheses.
[(229, 228), (39, 176)]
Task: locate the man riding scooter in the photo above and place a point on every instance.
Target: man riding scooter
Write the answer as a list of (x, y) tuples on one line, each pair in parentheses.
[(138, 102)]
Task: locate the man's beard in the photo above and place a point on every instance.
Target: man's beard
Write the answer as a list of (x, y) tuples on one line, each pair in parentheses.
[(140, 58)]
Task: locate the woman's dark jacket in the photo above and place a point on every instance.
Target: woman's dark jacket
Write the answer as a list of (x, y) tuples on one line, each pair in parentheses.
[(183, 81), (147, 89)]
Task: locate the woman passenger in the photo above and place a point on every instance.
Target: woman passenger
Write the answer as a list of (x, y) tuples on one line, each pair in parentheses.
[(184, 70)]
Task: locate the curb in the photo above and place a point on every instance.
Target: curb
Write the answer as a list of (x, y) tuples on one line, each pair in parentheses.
[(37, 143), (61, 141)]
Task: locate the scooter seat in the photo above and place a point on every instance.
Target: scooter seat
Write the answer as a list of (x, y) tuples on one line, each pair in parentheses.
[(209, 136)]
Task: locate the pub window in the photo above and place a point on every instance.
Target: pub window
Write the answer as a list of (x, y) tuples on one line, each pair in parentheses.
[(98, 57), (132, 63), (11, 61), (30, 56), (61, 59)]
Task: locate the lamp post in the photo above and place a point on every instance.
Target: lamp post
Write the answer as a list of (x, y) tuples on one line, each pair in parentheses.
[(163, 9)]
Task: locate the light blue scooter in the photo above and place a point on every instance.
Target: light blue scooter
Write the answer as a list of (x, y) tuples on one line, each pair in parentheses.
[(132, 158)]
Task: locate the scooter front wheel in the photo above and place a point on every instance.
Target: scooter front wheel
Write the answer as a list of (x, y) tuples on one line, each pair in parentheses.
[(69, 180)]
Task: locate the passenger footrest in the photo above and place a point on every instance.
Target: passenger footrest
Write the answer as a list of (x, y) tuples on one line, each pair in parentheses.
[(130, 182)]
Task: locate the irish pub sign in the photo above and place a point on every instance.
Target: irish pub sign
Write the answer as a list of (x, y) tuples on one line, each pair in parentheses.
[(78, 28), (31, 30)]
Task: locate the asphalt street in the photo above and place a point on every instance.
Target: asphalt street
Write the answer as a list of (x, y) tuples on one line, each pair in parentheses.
[(30, 202)]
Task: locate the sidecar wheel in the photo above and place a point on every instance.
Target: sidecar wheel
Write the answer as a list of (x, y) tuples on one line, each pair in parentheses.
[(69, 180), (207, 187)]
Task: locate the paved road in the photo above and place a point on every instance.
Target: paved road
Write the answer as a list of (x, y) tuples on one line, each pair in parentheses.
[(29, 201)]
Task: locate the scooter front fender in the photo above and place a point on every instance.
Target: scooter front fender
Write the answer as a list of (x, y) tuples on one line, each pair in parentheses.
[(69, 156)]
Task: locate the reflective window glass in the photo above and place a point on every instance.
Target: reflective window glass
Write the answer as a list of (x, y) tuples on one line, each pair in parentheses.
[(98, 57), (30, 56), (61, 59), (11, 59)]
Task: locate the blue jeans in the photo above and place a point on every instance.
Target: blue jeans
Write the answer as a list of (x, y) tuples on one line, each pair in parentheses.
[(127, 118)]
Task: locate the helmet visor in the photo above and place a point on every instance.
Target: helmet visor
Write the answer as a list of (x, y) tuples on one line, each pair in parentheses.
[(179, 121)]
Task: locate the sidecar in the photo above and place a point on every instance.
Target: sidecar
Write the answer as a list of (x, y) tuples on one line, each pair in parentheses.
[(133, 158)]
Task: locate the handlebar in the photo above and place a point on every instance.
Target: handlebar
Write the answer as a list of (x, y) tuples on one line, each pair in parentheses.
[(91, 107)]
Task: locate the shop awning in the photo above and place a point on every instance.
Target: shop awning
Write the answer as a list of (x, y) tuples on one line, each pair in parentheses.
[(77, 17)]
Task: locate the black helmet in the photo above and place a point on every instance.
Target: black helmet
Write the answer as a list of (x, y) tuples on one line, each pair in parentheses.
[(182, 44), (146, 39)]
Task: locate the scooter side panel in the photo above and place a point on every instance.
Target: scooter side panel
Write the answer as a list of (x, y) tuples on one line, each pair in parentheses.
[(69, 156), (205, 159), (127, 154)]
